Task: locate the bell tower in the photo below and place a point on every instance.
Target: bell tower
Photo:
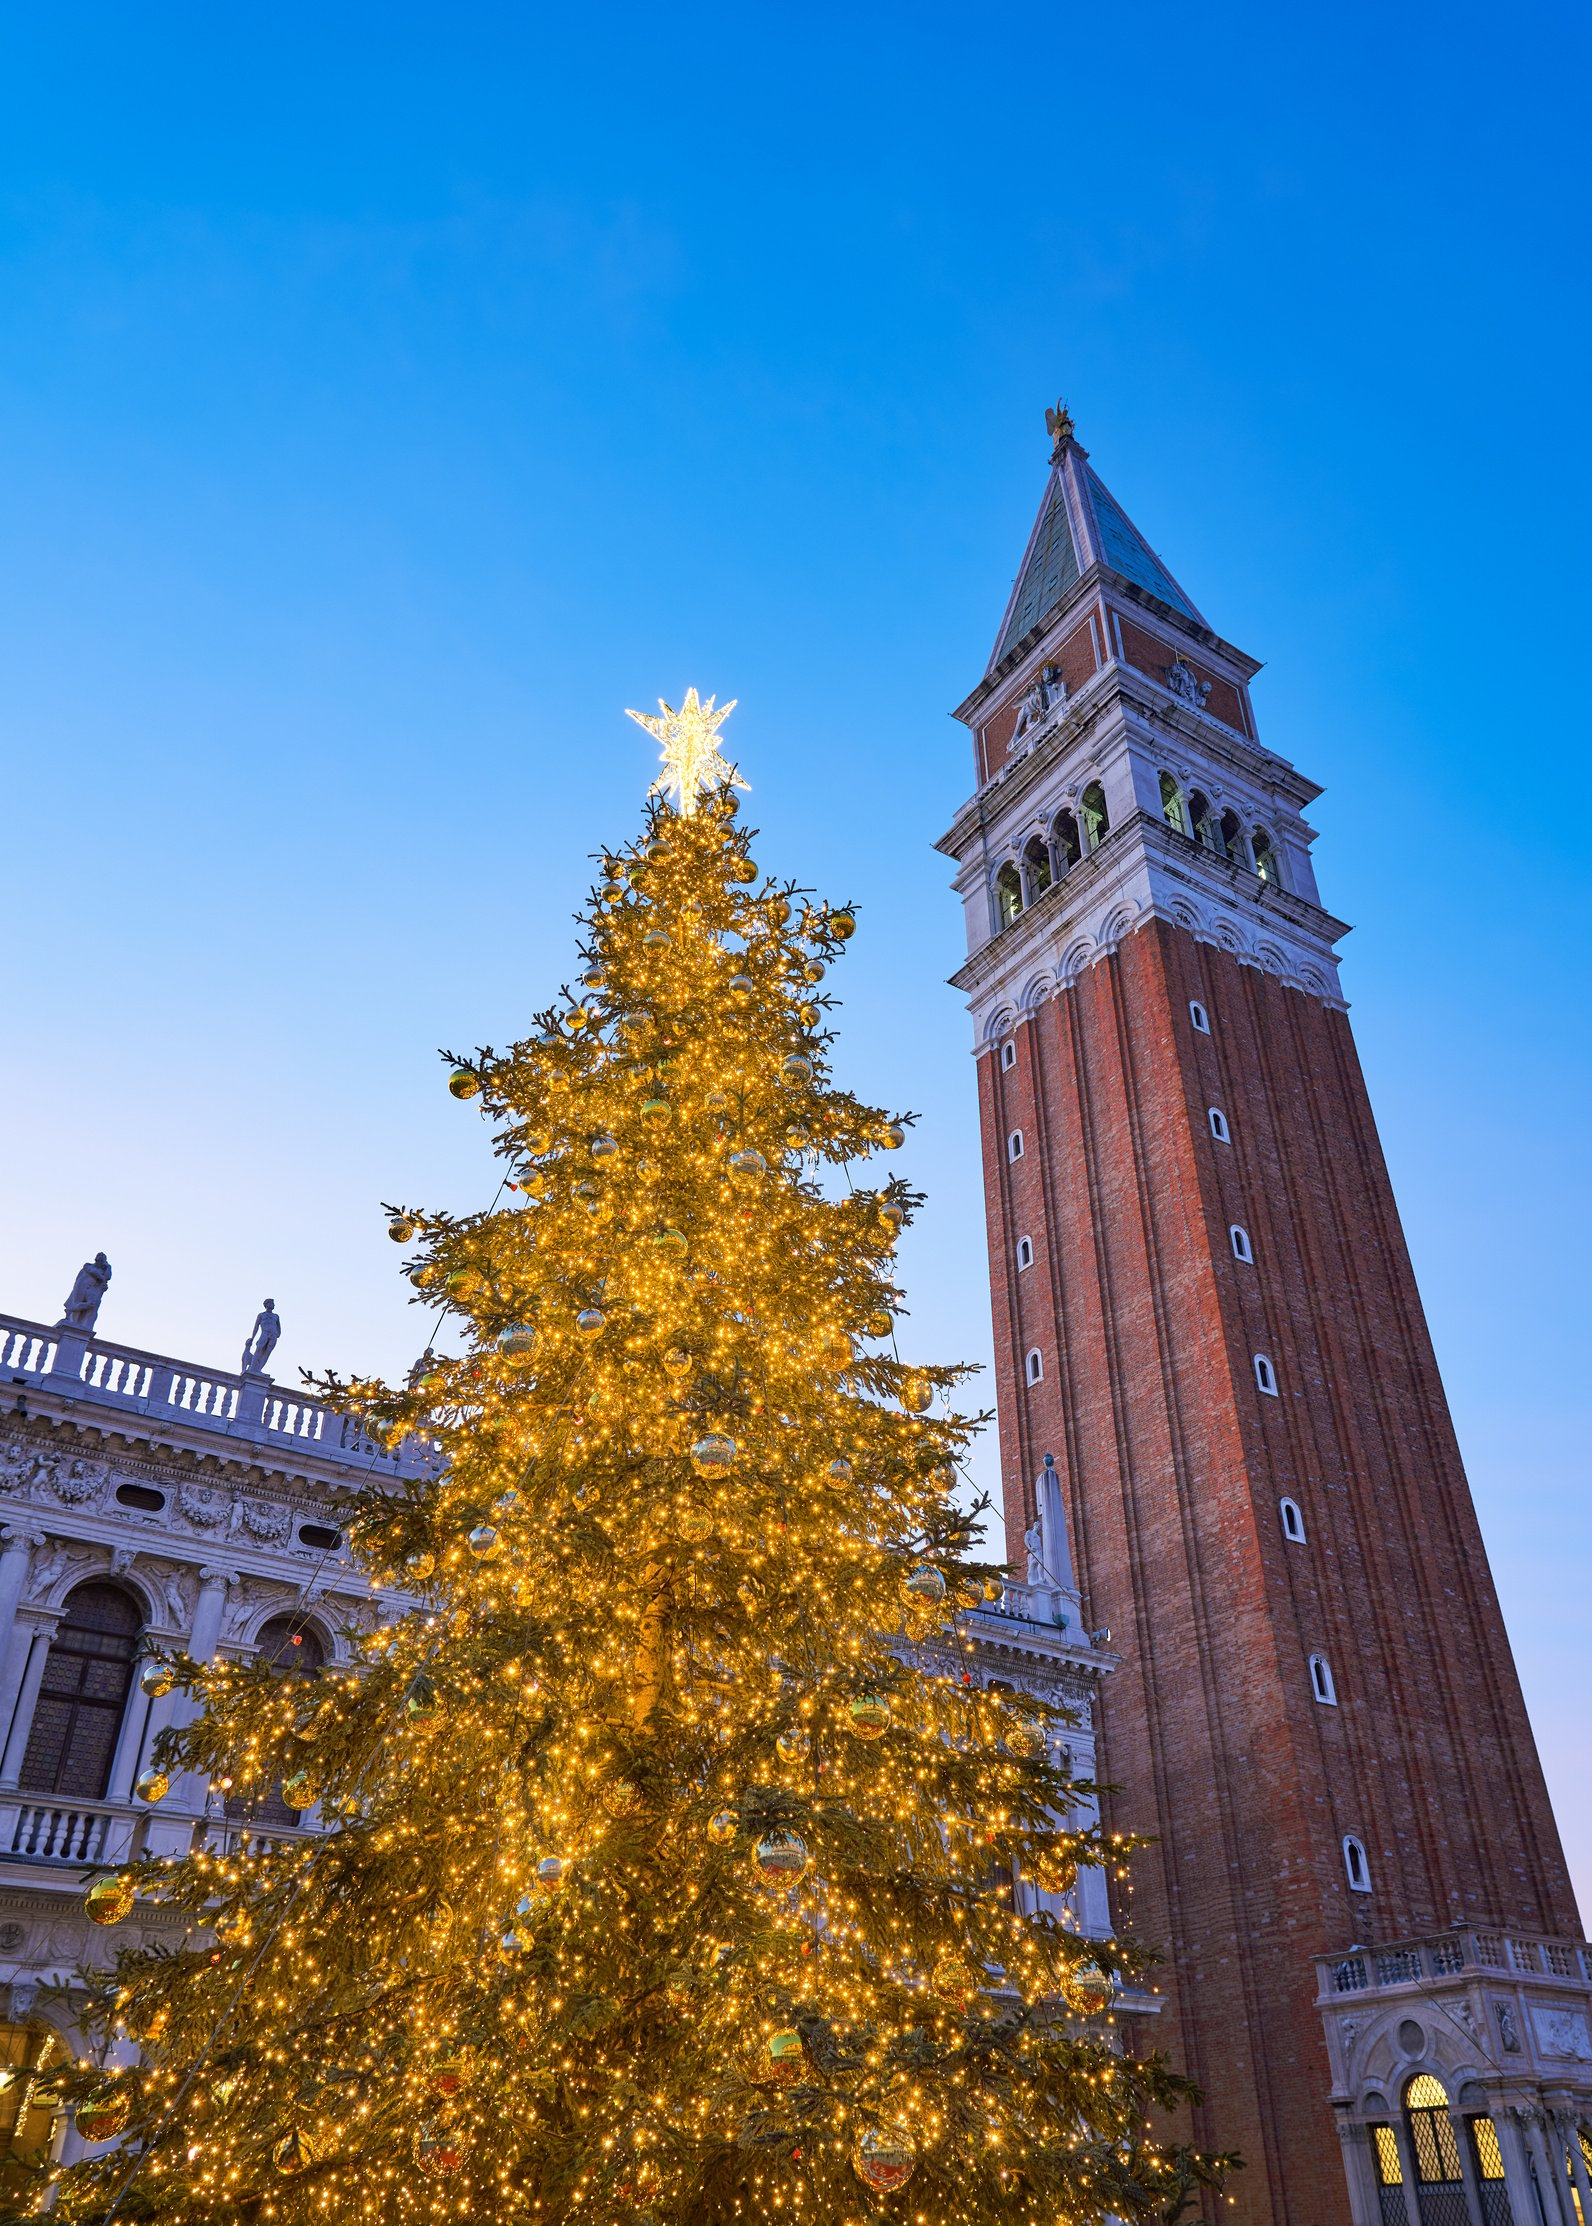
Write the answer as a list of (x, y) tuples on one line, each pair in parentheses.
[(1204, 1305)]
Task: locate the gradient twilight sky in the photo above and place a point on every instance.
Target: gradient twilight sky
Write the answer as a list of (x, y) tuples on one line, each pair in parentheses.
[(388, 396)]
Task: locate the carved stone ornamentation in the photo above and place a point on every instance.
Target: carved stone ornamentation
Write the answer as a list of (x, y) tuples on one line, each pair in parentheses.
[(199, 1505), (19, 1465), (1508, 2033), (71, 1481), (264, 1520), (1186, 684), (60, 1563)]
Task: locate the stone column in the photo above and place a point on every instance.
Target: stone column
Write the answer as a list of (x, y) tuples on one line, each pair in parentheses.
[(187, 1797), (1583, 2181), (1412, 2184), (1365, 2203), (1517, 2167), (15, 1562), (1467, 2166), (1551, 2184), (27, 1700)]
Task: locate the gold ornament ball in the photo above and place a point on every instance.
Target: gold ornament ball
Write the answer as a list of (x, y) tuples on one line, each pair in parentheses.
[(892, 1136), (798, 1136), (439, 2151), (742, 869), (156, 1679), (605, 1150), (840, 1471), (590, 1321), (842, 925), (785, 2056), (879, 1325), (485, 1543), (656, 939), (518, 1338), (1056, 1870), (807, 1015), (621, 1797), (102, 2116), (1025, 1739), (954, 1981), (925, 1586), (421, 1698), (109, 1899), (693, 1523), (462, 1283), (1088, 1989), (796, 1070), (917, 1393), (714, 1455), (550, 1873), (656, 1111), (780, 1859), (672, 1242), (448, 2076), (418, 1566), (464, 1082), (152, 1786), (747, 1169), (537, 1141), (972, 1591), (792, 1744), (677, 1360), (892, 1216), (884, 2158), (717, 1101), (868, 1717), (400, 1228), (723, 1827), (300, 1791), (741, 988)]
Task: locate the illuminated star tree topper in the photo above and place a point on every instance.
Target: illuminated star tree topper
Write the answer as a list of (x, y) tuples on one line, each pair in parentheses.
[(692, 764)]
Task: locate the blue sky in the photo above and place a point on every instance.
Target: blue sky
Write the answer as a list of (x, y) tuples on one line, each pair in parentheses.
[(390, 396)]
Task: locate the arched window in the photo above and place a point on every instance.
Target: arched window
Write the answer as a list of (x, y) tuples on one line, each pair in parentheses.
[(1389, 2174), (1172, 805), (1008, 1053), (1014, 1144), (1293, 1522), (288, 1650), (1203, 823), (1199, 1016), (1218, 1120), (1025, 1253), (1489, 2162), (1065, 842), (1321, 1681), (1356, 1868), (72, 1740), (1096, 819), (1266, 1375), (1242, 1248), (1008, 894), (1435, 2148), (1035, 1366), (1232, 835), (1265, 851), (1036, 867)]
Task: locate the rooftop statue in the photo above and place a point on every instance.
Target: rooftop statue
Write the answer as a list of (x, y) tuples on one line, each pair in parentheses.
[(82, 1307), (262, 1340)]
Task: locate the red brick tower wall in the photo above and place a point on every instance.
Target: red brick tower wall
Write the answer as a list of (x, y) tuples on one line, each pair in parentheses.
[(1174, 1462)]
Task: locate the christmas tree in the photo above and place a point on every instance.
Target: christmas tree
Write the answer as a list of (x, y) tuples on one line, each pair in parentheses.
[(666, 1860)]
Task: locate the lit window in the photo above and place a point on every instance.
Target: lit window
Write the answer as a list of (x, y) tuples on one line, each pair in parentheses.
[(1385, 2149), (1200, 1017), (1008, 895), (1241, 1244), (1265, 851), (1219, 1125), (1432, 2135), (1014, 1144), (1025, 1252), (1008, 1054), (1035, 1365), (1354, 1862), (1172, 804), (1096, 819), (1266, 1375), (1321, 1681), (1293, 1522)]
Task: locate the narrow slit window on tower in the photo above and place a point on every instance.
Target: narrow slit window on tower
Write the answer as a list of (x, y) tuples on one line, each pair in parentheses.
[(1172, 805), (1219, 1125), (1025, 1252), (1065, 841), (1293, 1522), (1008, 1053), (1035, 1366), (1266, 1375), (1036, 867), (1356, 1865), (1008, 894), (1265, 851), (1242, 1249), (1200, 1017), (1096, 819), (1321, 1681), (1014, 1144)]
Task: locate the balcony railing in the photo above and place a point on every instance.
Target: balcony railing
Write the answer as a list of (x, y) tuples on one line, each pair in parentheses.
[(36, 1829), (1364, 1970), (151, 1384)]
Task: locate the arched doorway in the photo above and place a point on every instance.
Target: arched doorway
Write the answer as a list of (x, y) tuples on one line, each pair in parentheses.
[(78, 1716)]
